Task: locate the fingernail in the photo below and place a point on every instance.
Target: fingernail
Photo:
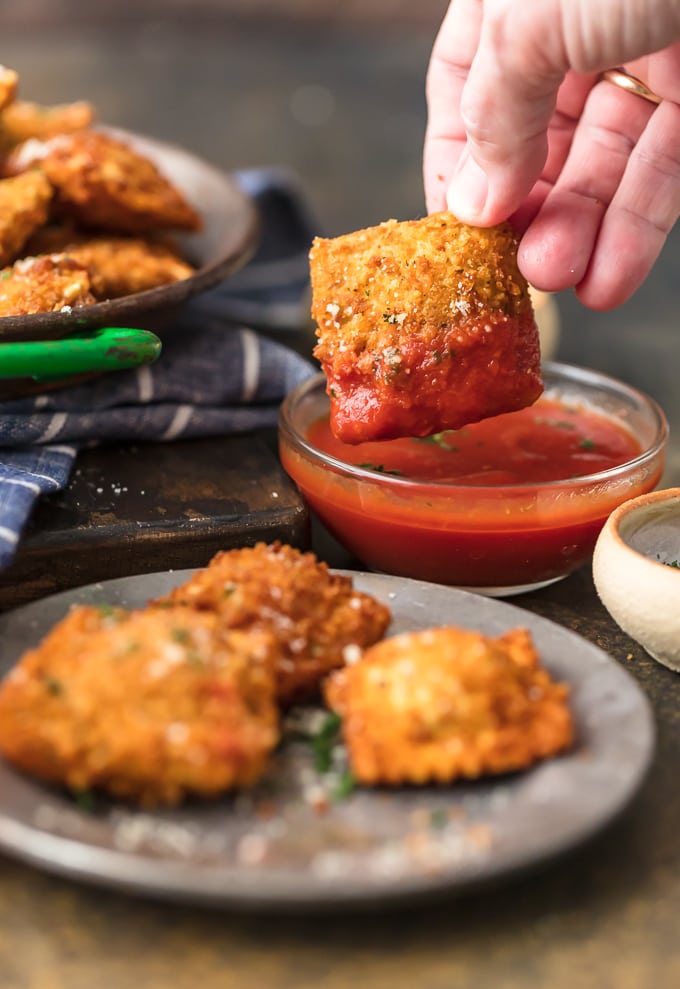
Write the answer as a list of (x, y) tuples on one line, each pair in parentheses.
[(469, 189)]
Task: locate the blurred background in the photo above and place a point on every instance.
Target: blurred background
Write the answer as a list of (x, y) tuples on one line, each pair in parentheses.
[(332, 91)]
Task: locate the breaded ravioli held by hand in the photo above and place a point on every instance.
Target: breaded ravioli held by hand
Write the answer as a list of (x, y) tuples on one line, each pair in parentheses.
[(423, 325), (448, 703)]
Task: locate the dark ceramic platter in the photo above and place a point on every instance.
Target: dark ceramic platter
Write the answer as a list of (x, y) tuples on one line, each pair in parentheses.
[(225, 243), (373, 847)]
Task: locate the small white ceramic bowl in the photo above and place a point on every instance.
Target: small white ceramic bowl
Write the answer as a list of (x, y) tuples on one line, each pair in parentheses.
[(636, 569)]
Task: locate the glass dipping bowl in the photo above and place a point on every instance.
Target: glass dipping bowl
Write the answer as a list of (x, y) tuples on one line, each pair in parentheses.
[(496, 540)]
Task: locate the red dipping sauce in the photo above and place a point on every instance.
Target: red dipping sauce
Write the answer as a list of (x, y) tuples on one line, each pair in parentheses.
[(546, 442), (507, 503)]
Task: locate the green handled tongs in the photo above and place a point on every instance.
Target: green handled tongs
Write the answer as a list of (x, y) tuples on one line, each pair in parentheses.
[(111, 348)]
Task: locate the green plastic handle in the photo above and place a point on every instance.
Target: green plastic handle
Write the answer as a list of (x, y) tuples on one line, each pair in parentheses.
[(112, 348)]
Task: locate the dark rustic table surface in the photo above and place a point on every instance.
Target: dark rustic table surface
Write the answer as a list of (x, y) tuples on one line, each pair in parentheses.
[(339, 100)]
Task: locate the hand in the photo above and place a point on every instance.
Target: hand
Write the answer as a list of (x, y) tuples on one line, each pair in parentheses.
[(520, 127)]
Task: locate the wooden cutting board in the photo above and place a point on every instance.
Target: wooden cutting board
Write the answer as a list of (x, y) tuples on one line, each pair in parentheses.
[(142, 508)]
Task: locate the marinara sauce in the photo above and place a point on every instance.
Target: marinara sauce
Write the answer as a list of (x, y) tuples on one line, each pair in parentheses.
[(471, 507), (546, 442)]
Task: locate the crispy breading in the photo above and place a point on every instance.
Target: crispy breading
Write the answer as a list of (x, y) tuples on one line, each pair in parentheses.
[(149, 705), (423, 325), (446, 703), (117, 265), (8, 86), (45, 284), (24, 207), (104, 183), (316, 616), (22, 120)]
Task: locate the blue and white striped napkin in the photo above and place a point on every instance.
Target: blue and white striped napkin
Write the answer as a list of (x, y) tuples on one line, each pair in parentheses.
[(215, 375)]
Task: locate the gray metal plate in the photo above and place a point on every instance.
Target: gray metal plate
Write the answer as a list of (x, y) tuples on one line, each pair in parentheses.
[(273, 850)]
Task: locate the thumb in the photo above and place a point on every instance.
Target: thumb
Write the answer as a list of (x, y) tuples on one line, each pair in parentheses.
[(506, 106)]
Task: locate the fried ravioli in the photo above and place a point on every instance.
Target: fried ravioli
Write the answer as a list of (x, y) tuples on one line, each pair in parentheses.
[(423, 325), (117, 266), (444, 704), (148, 706), (24, 207), (72, 191), (318, 618), (8, 86), (45, 284), (22, 120), (104, 183)]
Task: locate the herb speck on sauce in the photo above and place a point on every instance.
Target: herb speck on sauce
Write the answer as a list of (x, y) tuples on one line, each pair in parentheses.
[(440, 440)]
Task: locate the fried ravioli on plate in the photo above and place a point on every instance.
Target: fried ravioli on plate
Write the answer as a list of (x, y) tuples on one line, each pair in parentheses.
[(104, 183), (46, 284), (318, 618), (8, 86), (24, 207), (149, 706), (447, 703), (423, 325), (22, 121), (117, 266)]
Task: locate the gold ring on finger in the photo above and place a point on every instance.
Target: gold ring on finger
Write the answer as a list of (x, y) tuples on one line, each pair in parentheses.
[(631, 84)]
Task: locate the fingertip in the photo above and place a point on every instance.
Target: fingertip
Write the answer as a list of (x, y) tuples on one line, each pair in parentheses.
[(479, 197), (546, 265), (595, 303), (557, 247), (468, 192), (605, 297)]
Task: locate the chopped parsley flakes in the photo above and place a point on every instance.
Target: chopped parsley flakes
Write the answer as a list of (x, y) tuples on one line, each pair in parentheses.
[(324, 740), (85, 800), (439, 439)]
